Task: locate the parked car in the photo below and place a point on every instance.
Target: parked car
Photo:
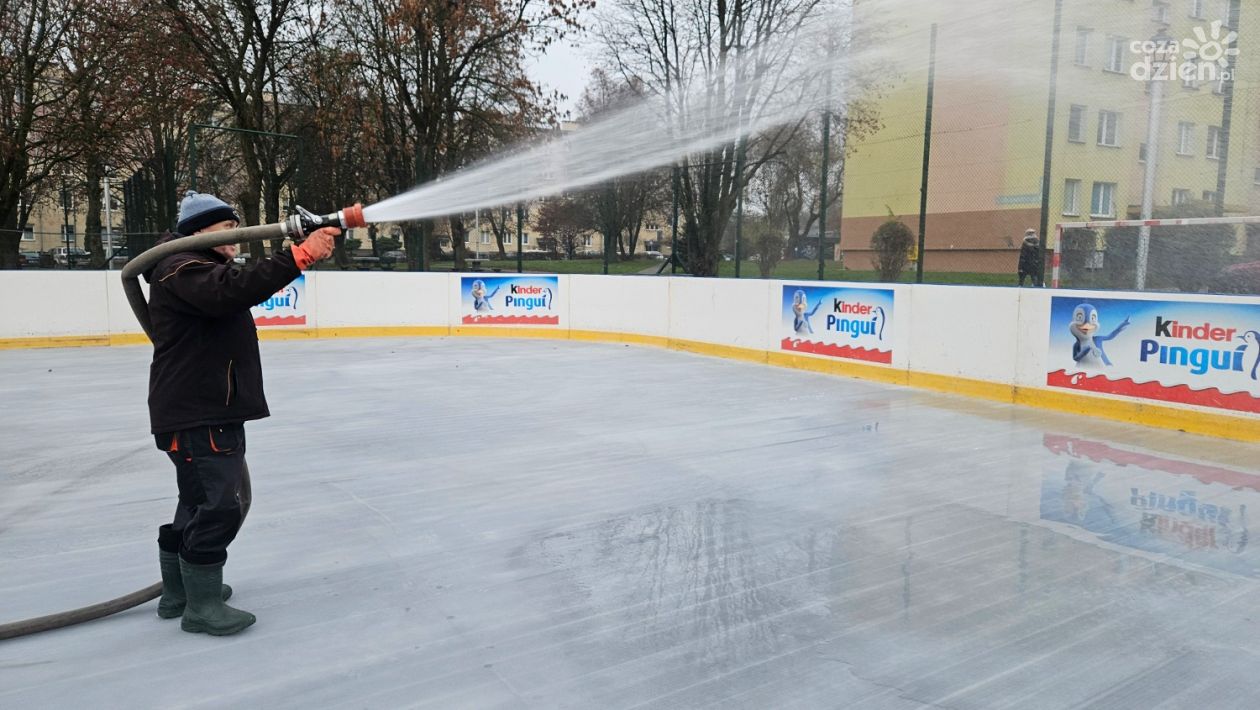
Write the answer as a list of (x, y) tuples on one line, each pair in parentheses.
[(65, 256), (120, 257), (35, 260), (652, 254)]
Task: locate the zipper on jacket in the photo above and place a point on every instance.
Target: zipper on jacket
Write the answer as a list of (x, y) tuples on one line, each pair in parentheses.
[(228, 402)]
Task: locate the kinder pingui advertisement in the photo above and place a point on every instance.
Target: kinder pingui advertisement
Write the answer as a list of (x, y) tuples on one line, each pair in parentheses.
[(850, 323), (1206, 354), (509, 300), (286, 307)]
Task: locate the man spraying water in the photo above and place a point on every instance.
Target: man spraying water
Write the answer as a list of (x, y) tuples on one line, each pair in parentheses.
[(205, 382)]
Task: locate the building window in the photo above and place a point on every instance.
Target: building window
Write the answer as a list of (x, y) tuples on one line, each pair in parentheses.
[(1159, 12), (67, 235), (467, 238), (1209, 196), (1185, 138), (586, 241), (651, 226), (1181, 197), (1214, 143), (1076, 124), (1082, 46), (1197, 9), (1104, 200), (1071, 197), (1142, 150), (1117, 49), (485, 237), (1109, 129), (524, 237), (1257, 179), (28, 233), (507, 238)]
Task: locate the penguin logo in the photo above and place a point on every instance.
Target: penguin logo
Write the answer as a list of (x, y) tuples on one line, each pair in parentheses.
[(481, 300), (1088, 348), (800, 322), (881, 318), (1251, 352)]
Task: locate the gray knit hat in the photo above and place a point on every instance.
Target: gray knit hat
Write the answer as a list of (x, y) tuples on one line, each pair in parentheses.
[(200, 210)]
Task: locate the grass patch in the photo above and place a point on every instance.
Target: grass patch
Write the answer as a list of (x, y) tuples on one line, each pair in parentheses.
[(794, 270), (576, 266)]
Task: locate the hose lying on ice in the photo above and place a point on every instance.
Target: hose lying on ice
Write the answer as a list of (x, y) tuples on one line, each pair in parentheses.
[(78, 616)]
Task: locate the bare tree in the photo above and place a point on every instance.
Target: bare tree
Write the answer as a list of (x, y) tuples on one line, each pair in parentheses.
[(788, 186), (106, 45), (453, 75), (246, 50), (33, 141), (502, 225), (619, 206), (733, 58)]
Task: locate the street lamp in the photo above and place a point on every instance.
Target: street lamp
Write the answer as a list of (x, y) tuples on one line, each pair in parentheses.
[(1159, 59), (109, 220)]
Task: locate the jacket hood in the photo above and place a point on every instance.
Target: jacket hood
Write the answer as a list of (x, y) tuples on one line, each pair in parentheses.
[(172, 235)]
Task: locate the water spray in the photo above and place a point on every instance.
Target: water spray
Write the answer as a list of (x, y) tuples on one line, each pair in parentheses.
[(649, 134)]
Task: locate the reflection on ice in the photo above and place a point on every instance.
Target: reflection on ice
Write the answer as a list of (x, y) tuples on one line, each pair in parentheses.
[(1182, 512)]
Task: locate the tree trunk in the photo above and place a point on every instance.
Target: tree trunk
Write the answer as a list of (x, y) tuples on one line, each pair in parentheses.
[(432, 249), (10, 235), (412, 239), (458, 233), (92, 242), (250, 198), (272, 187)]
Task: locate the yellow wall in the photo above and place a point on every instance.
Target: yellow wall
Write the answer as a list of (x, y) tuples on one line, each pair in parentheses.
[(990, 107)]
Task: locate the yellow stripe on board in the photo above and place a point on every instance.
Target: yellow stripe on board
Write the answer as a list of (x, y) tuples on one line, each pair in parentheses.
[(56, 341), (1147, 414)]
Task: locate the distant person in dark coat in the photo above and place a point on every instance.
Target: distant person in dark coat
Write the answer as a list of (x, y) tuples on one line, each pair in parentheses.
[(1030, 259)]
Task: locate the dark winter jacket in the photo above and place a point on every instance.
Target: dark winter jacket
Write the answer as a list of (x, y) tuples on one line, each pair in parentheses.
[(1030, 256), (206, 368)]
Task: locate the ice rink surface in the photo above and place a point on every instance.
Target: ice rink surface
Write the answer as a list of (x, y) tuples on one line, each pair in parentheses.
[(476, 523)]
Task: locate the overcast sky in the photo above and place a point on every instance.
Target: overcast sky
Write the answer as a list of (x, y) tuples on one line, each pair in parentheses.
[(565, 68)]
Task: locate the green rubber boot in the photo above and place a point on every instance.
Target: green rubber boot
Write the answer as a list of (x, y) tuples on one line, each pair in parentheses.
[(206, 613), (173, 598)]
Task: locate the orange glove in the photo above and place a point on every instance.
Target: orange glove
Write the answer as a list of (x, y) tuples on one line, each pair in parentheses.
[(317, 247)]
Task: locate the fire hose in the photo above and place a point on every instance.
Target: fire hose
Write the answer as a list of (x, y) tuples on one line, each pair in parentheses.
[(295, 228)]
